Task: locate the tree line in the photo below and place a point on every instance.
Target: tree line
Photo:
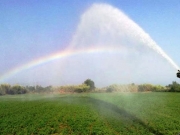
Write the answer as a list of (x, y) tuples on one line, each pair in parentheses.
[(88, 86), (6, 89), (174, 87), (11, 90)]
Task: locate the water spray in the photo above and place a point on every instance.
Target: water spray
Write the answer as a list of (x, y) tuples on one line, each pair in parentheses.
[(106, 25)]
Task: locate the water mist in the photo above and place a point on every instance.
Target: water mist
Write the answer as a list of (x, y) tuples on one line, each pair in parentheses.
[(104, 25)]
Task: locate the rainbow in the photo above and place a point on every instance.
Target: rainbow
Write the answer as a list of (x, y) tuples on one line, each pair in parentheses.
[(52, 57)]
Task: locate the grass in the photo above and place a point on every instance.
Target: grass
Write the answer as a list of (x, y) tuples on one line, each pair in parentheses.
[(95, 113)]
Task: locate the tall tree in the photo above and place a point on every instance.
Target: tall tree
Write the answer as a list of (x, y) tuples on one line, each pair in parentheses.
[(90, 83)]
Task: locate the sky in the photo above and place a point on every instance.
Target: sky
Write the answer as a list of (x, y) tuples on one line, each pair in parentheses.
[(36, 30)]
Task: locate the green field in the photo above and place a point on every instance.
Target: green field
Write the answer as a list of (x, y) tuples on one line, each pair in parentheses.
[(91, 114)]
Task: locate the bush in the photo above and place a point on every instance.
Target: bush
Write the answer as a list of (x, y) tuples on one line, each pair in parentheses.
[(17, 89), (145, 87), (158, 88), (67, 88), (109, 89), (74, 88), (112, 88), (82, 88)]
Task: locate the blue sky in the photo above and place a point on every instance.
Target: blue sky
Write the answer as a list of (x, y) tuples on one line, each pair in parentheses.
[(30, 29)]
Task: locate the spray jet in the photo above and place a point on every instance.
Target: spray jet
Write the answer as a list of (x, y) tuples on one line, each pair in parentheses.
[(178, 74)]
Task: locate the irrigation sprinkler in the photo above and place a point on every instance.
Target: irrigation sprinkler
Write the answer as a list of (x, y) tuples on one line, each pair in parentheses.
[(178, 74)]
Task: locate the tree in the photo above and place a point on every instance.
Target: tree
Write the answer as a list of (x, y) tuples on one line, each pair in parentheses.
[(159, 88), (174, 87), (17, 89), (2, 91), (5, 89), (90, 83)]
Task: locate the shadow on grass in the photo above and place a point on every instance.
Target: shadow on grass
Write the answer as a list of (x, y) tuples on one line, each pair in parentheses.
[(103, 106), (123, 113)]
